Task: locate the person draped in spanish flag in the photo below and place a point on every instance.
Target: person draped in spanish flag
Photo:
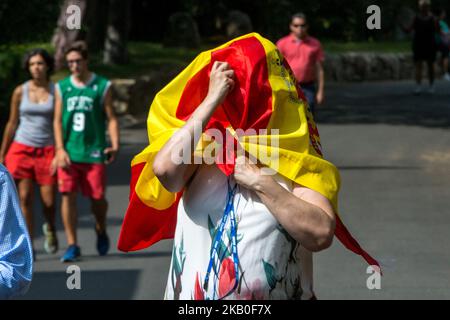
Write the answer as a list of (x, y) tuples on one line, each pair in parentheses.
[(234, 173)]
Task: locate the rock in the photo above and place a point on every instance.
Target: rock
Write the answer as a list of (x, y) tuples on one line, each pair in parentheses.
[(134, 96), (333, 67), (146, 87), (365, 66), (182, 31), (121, 94), (121, 88), (238, 24), (406, 66)]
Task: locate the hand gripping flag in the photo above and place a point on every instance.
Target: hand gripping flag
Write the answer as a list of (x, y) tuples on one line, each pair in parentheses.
[(265, 97)]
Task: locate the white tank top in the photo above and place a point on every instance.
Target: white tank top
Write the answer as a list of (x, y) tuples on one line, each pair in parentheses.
[(272, 265)]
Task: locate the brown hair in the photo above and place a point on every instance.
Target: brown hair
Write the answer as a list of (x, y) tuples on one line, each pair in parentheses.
[(45, 55), (78, 46)]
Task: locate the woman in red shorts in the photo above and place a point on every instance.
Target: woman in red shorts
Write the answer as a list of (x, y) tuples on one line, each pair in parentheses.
[(27, 148)]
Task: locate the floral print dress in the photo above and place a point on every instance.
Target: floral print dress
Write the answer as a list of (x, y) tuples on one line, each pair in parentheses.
[(271, 264)]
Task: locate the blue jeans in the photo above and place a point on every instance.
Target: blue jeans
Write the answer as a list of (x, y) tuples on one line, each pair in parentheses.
[(310, 91)]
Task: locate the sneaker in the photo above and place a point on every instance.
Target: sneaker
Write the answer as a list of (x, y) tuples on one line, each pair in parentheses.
[(447, 76), (51, 242), (102, 243), (72, 254)]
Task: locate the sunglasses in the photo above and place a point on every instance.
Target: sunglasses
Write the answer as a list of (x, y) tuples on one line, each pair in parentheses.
[(76, 61), (299, 25)]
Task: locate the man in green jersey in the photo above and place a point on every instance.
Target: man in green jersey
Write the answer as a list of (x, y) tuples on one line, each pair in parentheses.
[(83, 113)]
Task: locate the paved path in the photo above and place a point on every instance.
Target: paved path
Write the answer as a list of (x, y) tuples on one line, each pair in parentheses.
[(393, 152)]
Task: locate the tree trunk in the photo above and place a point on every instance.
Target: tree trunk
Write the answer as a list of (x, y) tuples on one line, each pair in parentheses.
[(62, 36), (96, 20), (115, 51)]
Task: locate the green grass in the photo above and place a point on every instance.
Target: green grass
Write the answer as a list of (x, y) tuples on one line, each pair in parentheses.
[(146, 56), (24, 47)]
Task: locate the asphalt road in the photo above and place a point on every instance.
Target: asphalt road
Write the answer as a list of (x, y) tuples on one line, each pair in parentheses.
[(393, 152)]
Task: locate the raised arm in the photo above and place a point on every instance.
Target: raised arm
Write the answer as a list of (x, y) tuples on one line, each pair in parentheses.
[(13, 121), (174, 176)]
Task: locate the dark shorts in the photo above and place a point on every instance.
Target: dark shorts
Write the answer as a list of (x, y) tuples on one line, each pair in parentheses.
[(424, 52), (310, 91), (444, 50)]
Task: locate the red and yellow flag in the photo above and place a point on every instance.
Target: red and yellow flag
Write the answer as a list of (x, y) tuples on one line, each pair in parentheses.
[(266, 96)]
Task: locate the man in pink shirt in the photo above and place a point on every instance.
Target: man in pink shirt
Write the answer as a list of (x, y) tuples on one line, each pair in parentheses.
[(305, 56)]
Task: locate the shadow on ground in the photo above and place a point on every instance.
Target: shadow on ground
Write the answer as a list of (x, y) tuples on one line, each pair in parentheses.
[(100, 284), (385, 102)]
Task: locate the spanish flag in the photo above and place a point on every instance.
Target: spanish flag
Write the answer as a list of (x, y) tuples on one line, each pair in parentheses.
[(265, 97)]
